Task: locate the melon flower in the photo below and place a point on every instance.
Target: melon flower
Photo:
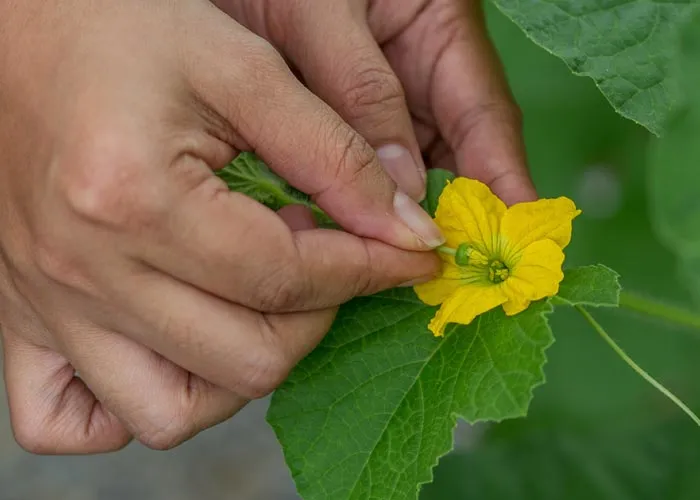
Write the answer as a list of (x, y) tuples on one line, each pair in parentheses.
[(493, 255)]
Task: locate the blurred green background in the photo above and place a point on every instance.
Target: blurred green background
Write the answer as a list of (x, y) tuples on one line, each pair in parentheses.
[(595, 430)]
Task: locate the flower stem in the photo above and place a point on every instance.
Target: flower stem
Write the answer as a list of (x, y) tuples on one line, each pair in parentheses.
[(650, 307), (447, 250), (640, 371)]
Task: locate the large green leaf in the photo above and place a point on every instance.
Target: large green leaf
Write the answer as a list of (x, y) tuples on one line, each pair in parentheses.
[(674, 170), (625, 46), (370, 411)]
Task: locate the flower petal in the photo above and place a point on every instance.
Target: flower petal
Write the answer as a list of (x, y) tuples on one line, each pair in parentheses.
[(536, 275), (436, 291), (465, 304), (468, 212), (513, 307), (525, 223)]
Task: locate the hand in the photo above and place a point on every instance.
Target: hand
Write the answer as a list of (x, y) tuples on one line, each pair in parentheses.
[(419, 74), (122, 256)]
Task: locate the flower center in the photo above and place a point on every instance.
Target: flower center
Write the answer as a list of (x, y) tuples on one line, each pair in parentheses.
[(492, 269), (498, 271)]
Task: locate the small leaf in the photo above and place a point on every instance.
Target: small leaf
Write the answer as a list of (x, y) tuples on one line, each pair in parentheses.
[(595, 285), (369, 412), (625, 46), (249, 175), (436, 182)]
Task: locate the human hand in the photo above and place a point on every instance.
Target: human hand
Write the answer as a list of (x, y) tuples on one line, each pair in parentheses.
[(122, 257), (417, 73)]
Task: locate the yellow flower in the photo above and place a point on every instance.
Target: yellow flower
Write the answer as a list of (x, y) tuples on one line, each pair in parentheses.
[(495, 255)]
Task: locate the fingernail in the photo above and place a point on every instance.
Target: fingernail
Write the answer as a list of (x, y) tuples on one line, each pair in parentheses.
[(400, 165), (417, 220)]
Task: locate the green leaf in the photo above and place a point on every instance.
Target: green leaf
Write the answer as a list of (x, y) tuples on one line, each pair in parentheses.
[(674, 169), (625, 46), (249, 175), (370, 411), (436, 182), (595, 285)]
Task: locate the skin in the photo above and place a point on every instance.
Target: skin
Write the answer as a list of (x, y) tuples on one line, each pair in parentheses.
[(421, 74), (124, 259)]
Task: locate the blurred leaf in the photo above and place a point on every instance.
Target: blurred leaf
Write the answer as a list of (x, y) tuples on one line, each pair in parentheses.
[(624, 46), (370, 411), (656, 462), (436, 182), (674, 173)]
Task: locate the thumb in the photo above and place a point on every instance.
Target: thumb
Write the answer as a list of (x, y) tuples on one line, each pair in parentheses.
[(304, 140)]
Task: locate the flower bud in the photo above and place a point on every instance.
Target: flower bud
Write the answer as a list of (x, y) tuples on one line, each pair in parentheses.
[(462, 255)]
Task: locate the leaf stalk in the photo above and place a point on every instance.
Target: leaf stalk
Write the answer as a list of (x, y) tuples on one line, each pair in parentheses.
[(660, 310), (638, 369)]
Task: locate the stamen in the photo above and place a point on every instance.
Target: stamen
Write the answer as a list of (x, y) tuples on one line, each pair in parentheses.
[(498, 271)]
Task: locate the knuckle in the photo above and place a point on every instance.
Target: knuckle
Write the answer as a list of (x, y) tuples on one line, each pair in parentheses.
[(502, 111), (164, 433), (371, 91), (263, 56), (356, 157), (267, 367), (364, 280), (281, 291), (103, 180)]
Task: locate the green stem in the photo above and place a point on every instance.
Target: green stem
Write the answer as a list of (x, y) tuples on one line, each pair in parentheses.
[(447, 250), (640, 371), (660, 310)]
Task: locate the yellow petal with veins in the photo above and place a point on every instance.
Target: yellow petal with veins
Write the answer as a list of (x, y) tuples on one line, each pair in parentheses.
[(435, 292), (468, 212), (525, 223), (513, 307), (465, 304), (536, 275)]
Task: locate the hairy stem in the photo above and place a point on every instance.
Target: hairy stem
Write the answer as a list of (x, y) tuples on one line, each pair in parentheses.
[(640, 371)]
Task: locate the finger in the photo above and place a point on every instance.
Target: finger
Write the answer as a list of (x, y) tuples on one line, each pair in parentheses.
[(229, 245), (342, 63), (470, 99), (52, 411), (160, 403), (246, 352), (480, 121), (297, 217), (303, 140)]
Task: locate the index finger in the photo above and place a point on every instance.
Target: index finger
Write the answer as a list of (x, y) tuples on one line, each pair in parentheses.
[(231, 246)]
